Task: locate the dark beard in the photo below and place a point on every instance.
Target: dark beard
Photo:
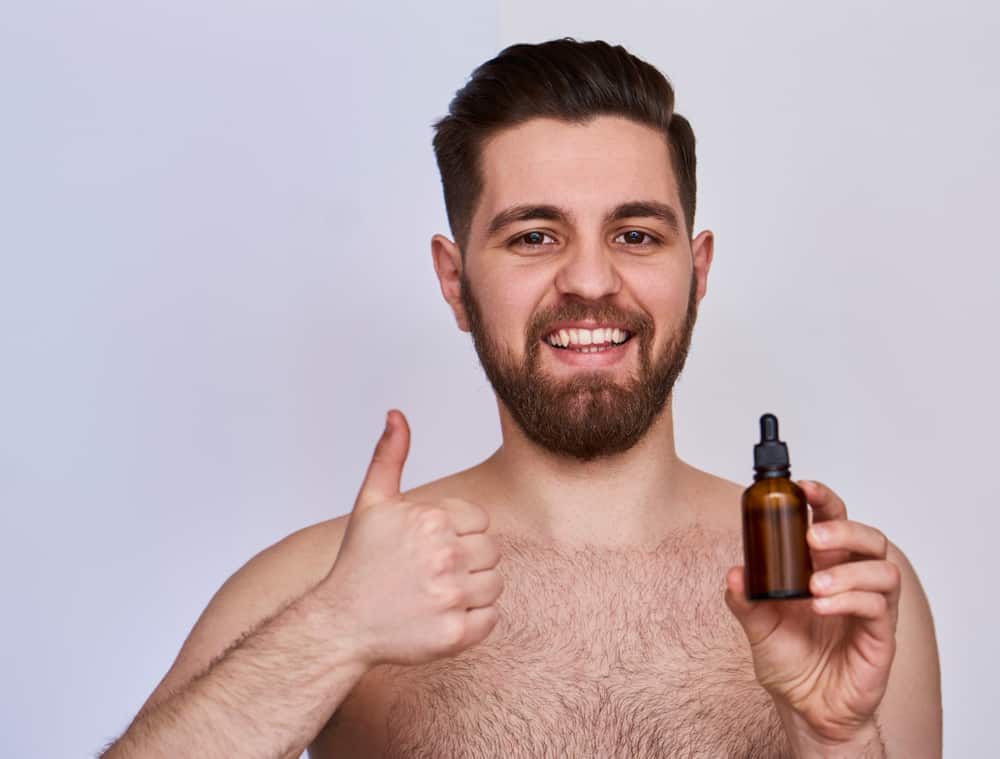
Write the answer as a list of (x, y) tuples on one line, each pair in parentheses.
[(588, 416)]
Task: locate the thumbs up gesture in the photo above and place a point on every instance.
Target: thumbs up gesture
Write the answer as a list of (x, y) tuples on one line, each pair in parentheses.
[(418, 580)]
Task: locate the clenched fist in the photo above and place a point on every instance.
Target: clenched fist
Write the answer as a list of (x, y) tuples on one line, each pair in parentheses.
[(417, 579)]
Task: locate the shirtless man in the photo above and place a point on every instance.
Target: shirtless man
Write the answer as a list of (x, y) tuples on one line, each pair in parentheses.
[(578, 593)]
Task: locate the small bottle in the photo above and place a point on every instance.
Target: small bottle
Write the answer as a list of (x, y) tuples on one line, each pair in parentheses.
[(775, 520)]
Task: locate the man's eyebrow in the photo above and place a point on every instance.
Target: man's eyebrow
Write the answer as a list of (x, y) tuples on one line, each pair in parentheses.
[(631, 210), (648, 208), (525, 213)]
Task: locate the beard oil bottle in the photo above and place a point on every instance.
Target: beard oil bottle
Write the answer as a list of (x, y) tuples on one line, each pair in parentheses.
[(775, 520)]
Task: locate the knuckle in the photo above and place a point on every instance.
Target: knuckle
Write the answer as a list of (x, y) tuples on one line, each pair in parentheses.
[(488, 620), (883, 542), (895, 573), (431, 520), (445, 560), (880, 604), (492, 616), (448, 596)]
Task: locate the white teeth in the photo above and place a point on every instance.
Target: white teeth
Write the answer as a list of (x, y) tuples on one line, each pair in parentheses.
[(603, 336)]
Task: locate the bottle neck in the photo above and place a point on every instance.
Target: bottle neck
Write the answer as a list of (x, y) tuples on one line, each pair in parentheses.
[(768, 474)]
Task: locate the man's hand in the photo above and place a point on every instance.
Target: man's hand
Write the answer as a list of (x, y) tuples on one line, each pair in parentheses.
[(825, 661), (417, 580)]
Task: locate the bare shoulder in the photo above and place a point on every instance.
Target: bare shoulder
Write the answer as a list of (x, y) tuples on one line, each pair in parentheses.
[(466, 484), (716, 499), (910, 714), (257, 591)]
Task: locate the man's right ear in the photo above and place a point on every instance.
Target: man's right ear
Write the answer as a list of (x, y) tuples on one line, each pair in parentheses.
[(448, 266)]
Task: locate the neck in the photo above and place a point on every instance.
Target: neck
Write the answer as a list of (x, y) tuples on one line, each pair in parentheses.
[(630, 498)]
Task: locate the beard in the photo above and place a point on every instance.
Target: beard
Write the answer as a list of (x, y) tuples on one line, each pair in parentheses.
[(589, 415)]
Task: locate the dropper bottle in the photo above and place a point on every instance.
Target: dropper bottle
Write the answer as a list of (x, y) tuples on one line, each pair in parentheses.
[(775, 520)]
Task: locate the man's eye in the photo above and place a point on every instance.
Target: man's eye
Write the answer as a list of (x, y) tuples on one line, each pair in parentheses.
[(635, 237), (533, 239)]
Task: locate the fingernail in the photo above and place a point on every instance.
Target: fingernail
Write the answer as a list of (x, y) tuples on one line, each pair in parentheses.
[(388, 423), (820, 534), (822, 603), (822, 580)]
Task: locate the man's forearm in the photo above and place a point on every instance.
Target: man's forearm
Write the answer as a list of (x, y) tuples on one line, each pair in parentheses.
[(267, 697)]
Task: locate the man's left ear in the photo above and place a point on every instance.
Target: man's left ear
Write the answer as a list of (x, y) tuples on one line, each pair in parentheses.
[(703, 248), (448, 266)]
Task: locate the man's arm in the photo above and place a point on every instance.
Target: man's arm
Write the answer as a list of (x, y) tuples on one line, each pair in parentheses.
[(910, 714), (260, 674), (397, 581)]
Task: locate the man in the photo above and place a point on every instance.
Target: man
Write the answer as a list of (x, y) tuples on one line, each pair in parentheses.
[(577, 594)]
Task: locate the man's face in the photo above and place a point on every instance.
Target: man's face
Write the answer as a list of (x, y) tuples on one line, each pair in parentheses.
[(579, 283)]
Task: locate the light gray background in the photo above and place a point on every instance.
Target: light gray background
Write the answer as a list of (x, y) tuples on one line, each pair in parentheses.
[(216, 278)]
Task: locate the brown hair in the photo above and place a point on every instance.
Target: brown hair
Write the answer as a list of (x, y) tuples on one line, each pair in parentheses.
[(564, 79)]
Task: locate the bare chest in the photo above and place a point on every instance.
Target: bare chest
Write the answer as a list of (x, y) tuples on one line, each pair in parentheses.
[(597, 654)]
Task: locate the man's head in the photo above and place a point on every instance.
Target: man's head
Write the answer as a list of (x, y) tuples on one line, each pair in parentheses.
[(570, 190), (564, 80)]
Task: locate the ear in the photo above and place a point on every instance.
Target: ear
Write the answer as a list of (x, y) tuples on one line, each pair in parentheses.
[(703, 248), (448, 266)]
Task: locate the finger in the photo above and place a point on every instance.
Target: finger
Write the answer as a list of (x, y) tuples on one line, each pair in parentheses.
[(846, 535), (826, 505), (385, 472), (466, 517), (826, 559), (869, 576), (478, 624), (757, 619), (872, 612), (482, 589), (481, 551), (872, 608)]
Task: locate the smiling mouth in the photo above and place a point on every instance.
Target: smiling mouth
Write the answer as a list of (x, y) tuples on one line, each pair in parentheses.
[(588, 340)]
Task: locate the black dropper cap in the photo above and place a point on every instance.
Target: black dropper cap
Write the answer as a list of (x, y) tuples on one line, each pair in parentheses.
[(770, 455)]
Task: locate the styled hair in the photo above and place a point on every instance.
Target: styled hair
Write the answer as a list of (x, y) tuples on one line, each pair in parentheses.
[(564, 79)]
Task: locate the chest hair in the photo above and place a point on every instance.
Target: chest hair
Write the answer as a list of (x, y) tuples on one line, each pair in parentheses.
[(598, 653)]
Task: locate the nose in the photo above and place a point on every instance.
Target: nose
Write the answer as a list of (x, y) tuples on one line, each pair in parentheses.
[(588, 271)]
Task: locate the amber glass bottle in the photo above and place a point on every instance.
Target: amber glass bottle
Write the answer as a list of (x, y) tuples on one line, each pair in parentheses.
[(775, 520)]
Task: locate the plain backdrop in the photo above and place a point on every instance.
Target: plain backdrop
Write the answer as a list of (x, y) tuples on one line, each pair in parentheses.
[(216, 278)]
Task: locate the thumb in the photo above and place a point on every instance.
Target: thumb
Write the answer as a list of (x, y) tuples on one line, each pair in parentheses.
[(386, 469), (757, 619)]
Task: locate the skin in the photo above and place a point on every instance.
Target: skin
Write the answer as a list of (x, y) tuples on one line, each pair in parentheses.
[(593, 170), (845, 678)]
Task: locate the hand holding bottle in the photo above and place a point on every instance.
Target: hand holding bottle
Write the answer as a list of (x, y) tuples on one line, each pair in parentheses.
[(826, 660), (417, 581)]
